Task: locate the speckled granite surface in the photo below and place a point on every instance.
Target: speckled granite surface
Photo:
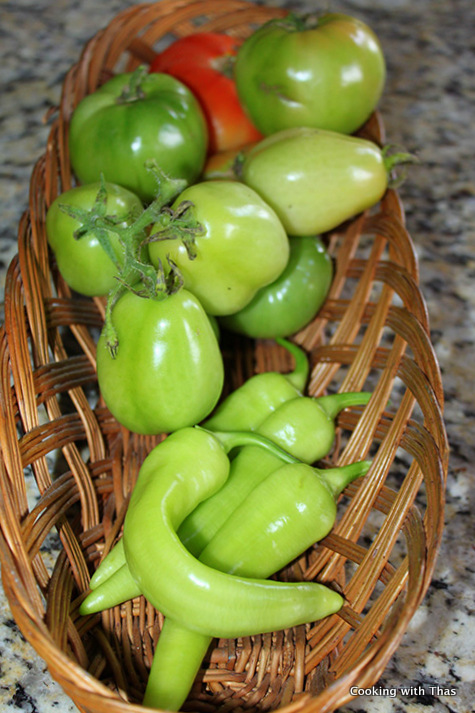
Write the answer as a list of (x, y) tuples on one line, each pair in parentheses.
[(428, 107)]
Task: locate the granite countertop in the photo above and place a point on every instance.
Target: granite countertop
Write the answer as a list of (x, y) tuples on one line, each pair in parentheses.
[(428, 108)]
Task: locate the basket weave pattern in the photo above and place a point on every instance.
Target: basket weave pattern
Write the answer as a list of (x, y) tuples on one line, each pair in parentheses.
[(371, 334)]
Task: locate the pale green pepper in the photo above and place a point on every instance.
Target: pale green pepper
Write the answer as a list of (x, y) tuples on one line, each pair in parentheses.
[(185, 468), (291, 509)]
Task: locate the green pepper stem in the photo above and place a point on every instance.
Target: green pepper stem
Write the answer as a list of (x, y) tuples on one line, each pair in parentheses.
[(299, 376), (338, 478), (333, 404), (236, 439)]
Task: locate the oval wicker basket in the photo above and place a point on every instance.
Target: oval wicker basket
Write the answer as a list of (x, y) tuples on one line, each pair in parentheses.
[(67, 468)]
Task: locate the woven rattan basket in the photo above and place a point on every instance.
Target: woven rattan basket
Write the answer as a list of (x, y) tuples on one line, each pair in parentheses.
[(59, 441)]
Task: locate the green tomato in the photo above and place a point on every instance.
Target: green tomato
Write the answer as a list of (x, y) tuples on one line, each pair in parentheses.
[(326, 72), (315, 179), (81, 258), (132, 119), (293, 300), (168, 371), (240, 244)]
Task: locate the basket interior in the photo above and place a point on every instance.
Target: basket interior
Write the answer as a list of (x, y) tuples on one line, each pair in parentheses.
[(68, 468)]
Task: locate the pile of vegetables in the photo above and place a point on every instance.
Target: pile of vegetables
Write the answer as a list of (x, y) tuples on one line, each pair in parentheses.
[(205, 183)]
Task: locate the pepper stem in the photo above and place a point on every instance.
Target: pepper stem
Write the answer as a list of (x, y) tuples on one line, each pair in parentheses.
[(298, 377), (236, 439), (334, 403), (338, 478)]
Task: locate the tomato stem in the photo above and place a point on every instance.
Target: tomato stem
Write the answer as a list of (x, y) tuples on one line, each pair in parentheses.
[(96, 221), (133, 91), (224, 65), (179, 224), (238, 165), (137, 275), (294, 22), (393, 160)]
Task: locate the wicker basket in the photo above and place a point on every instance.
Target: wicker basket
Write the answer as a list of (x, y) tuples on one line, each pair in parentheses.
[(57, 436)]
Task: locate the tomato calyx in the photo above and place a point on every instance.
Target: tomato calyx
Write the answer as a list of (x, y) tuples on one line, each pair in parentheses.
[(179, 224), (237, 168), (294, 22), (224, 64), (133, 274), (154, 284), (96, 221), (168, 188), (133, 91)]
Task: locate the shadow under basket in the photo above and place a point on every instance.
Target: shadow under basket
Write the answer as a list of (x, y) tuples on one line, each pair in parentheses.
[(67, 467)]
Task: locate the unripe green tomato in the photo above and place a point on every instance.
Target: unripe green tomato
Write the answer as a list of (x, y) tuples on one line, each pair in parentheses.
[(292, 301), (118, 128), (82, 261), (242, 247), (325, 71), (168, 371), (315, 179)]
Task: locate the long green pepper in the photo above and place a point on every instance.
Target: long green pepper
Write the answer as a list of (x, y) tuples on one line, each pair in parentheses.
[(280, 518), (291, 509), (188, 466), (244, 409), (185, 468), (180, 649), (303, 426)]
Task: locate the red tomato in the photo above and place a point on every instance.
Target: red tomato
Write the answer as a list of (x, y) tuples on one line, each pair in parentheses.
[(203, 62)]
